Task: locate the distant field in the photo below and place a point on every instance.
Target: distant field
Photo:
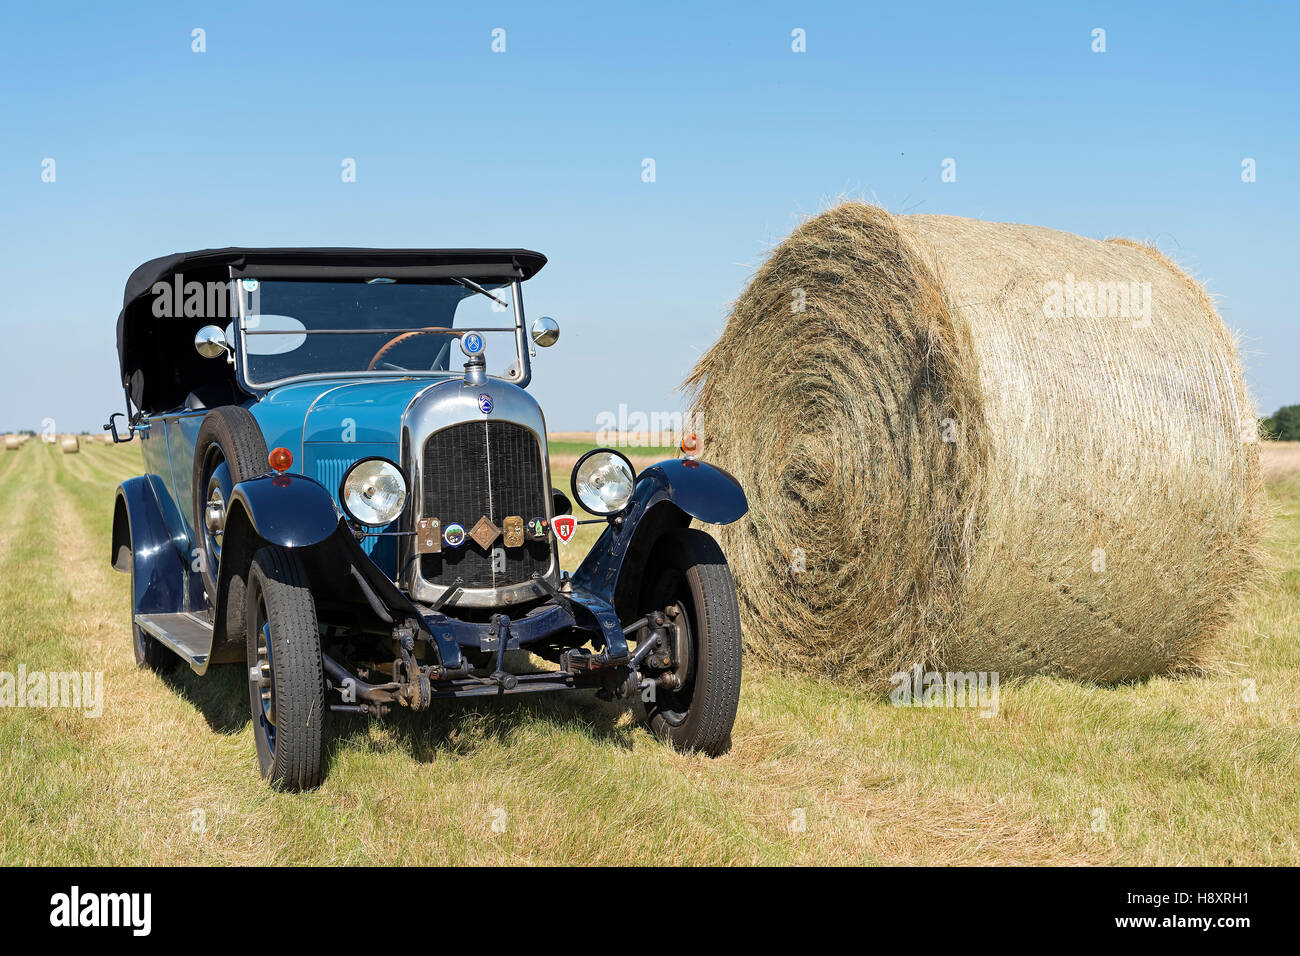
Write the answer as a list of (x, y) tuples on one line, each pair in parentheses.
[(565, 451), (1280, 458), (1168, 771)]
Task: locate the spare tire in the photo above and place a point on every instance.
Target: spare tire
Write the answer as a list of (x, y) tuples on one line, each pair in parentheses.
[(230, 449)]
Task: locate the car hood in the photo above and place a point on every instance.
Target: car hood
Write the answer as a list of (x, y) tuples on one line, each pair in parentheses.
[(338, 411)]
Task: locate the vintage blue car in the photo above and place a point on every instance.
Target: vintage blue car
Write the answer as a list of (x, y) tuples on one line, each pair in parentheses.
[(333, 504)]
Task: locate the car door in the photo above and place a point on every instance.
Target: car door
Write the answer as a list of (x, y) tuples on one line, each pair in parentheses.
[(155, 447), (182, 436)]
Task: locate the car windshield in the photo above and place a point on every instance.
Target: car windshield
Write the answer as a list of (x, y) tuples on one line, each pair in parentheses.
[(379, 326)]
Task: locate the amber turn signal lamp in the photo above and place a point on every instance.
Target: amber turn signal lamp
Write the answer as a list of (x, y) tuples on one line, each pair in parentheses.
[(281, 459), (691, 445)]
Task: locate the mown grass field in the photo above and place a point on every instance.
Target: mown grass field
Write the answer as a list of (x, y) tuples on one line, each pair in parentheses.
[(1201, 770)]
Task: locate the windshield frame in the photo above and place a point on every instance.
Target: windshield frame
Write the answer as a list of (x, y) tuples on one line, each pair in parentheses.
[(519, 372)]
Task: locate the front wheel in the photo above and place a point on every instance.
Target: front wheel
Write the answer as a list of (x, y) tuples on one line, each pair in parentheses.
[(286, 688), (694, 701)]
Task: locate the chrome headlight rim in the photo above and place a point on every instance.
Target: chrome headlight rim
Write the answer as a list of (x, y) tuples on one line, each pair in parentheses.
[(577, 495), (343, 484)]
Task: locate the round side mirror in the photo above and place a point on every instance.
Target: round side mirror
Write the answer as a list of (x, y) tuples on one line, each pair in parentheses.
[(210, 341), (546, 331)]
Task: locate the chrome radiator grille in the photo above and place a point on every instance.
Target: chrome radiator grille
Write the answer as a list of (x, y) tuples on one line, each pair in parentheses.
[(492, 469)]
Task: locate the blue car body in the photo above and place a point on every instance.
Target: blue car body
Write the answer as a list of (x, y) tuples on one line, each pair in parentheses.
[(372, 586)]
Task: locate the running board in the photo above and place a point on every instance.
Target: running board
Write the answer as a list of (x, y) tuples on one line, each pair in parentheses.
[(186, 634)]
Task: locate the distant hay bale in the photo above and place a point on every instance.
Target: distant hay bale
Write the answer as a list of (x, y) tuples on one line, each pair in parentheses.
[(953, 460), (70, 444), (13, 442)]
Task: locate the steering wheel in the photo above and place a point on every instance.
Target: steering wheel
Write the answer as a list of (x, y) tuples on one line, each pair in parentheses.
[(405, 336)]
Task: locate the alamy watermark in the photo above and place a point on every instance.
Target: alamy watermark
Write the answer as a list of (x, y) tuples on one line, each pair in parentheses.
[(133, 911), (179, 299), (637, 429), (76, 690), (1080, 298), (977, 690)]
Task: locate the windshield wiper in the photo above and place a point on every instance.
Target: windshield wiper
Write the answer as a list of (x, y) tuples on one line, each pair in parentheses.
[(474, 286)]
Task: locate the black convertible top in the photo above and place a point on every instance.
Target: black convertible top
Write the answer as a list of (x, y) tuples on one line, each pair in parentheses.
[(337, 262), (156, 355)]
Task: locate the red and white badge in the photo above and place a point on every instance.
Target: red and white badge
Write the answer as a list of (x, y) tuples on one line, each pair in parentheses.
[(564, 526)]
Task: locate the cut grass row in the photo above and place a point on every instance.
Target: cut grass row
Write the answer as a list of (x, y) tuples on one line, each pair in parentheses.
[(1167, 771)]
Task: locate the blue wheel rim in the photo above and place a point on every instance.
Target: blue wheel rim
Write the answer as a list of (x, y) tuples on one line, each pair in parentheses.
[(266, 662)]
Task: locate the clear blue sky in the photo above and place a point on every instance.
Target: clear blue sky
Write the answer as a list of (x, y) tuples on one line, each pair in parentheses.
[(160, 149)]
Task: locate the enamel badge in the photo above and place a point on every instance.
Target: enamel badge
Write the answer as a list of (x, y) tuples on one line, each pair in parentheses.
[(564, 527)]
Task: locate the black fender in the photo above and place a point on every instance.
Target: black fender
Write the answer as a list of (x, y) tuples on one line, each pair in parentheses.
[(668, 495), (293, 511), (142, 545)]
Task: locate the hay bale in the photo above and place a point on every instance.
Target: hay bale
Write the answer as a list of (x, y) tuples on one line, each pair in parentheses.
[(978, 477), (12, 443), (70, 444)]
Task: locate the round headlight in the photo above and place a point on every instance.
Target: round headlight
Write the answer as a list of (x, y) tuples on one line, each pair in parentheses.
[(603, 481), (373, 491)]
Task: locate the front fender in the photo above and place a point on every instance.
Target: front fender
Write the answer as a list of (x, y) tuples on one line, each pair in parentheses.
[(668, 495), (293, 511), (705, 492), (142, 545)]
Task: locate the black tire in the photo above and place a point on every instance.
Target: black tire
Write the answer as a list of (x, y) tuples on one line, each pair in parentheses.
[(231, 435), (688, 568), (150, 652), (289, 733)]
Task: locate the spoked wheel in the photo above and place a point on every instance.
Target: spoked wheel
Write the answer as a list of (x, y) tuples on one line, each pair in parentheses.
[(285, 684), (697, 685), (215, 492)]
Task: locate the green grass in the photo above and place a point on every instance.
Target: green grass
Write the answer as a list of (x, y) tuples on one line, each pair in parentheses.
[(1186, 771), (575, 448)]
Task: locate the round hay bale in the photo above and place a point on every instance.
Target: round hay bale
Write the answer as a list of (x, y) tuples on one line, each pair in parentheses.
[(70, 444), (954, 461), (12, 443)]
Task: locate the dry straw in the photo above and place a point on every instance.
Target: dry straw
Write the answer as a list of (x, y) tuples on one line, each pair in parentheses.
[(953, 462), (12, 443), (70, 444)]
